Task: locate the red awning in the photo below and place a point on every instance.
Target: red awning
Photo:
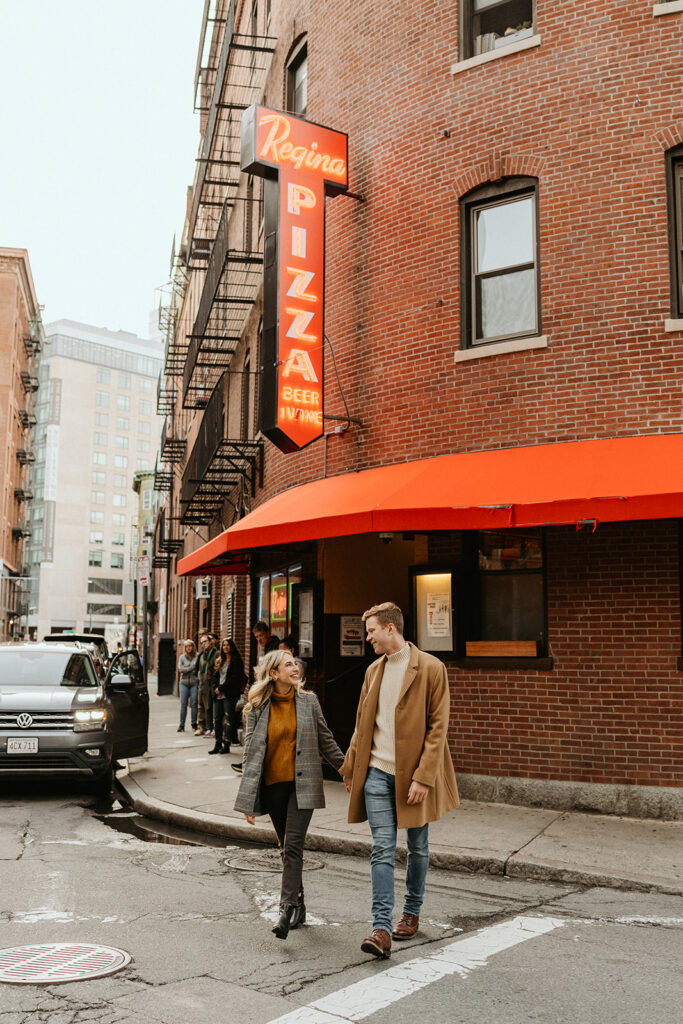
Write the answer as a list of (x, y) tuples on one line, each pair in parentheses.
[(611, 480)]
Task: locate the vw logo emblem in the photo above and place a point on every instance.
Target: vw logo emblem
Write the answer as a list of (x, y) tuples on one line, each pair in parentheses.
[(24, 721)]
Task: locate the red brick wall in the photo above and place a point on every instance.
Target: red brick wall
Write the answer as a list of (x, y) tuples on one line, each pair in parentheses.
[(587, 112), (610, 710), (590, 113)]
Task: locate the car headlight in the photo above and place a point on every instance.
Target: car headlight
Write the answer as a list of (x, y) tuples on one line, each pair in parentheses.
[(87, 721)]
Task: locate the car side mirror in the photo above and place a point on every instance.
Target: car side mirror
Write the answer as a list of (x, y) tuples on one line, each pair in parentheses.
[(120, 682)]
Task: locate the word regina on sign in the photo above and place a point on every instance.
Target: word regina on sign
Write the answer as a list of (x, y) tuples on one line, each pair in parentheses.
[(302, 163)]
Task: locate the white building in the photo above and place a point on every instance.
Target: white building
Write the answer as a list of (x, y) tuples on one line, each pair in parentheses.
[(97, 425)]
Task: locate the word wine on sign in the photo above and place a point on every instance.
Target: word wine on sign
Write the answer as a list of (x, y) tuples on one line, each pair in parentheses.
[(302, 164)]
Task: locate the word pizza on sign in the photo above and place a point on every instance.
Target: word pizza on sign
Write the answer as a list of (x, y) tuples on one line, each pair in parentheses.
[(302, 163)]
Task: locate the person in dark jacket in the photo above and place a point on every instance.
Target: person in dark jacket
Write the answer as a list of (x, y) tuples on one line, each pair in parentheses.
[(285, 740), (265, 640), (228, 682), (207, 658)]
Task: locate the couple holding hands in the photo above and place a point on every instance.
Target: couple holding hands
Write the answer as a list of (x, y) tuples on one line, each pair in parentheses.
[(398, 768)]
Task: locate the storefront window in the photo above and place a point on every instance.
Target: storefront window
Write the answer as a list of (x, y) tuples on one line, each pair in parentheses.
[(507, 615), (274, 599), (278, 604), (264, 599)]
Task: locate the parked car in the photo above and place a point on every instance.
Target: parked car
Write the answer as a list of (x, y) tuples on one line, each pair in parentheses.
[(85, 638), (58, 718)]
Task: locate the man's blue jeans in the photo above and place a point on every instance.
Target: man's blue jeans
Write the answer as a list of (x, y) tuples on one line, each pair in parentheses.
[(380, 803)]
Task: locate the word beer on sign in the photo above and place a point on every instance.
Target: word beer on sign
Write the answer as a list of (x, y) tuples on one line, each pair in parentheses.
[(302, 163)]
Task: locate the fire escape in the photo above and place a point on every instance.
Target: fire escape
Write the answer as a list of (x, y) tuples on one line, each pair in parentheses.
[(224, 238), (216, 466)]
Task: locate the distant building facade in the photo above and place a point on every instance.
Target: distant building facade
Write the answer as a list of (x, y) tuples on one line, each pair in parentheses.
[(96, 427), (21, 335)]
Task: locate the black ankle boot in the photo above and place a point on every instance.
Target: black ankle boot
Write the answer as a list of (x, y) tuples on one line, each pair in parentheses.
[(299, 915), (281, 929), (224, 749), (216, 749)]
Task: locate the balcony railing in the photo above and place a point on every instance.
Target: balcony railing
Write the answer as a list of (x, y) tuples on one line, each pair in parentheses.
[(173, 448), (238, 80), (27, 419), (25, 457), (29, 381), (232, 280), (216, 465)]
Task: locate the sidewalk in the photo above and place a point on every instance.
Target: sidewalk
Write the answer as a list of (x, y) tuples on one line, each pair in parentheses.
[(178, 782)]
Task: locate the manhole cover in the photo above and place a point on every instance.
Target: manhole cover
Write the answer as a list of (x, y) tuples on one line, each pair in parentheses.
[(266, 860), (56, 962)]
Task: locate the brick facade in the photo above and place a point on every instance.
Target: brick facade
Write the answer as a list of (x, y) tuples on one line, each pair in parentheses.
[(610, 709), (589, 114)]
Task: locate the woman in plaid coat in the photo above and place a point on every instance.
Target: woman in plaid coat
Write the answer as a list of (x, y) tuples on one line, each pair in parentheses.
[(285, 740)]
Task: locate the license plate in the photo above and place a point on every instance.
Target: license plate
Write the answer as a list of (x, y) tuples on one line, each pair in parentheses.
[(27, 746)]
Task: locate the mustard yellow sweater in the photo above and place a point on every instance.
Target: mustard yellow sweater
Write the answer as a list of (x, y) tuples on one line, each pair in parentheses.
[(281, 747)]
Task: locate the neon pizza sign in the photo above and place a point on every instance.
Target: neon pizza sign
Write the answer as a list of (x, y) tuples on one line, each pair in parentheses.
[(302, 164)]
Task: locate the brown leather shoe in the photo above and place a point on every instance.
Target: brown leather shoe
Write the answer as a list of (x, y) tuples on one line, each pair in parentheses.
[(406, 927), (379, 944)]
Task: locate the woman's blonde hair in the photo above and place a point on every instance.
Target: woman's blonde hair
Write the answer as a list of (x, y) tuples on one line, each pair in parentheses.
[(263, 684), (190, 643)]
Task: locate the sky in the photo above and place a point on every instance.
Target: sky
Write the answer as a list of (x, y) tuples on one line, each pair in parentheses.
[(98, 145)]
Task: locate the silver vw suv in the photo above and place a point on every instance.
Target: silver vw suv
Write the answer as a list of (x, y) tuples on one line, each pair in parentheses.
[(58, 718)]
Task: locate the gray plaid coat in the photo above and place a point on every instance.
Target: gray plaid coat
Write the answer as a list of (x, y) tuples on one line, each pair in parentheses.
[(313, 742)]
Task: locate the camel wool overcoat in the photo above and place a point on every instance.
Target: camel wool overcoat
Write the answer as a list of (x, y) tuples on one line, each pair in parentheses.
[(422, 753)]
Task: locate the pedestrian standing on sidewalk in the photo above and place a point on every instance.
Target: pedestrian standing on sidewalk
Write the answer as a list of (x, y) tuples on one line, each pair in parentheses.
[(265, 640), (228, 684), (286, 736), (207, 658), (188, 683), (398, 768)]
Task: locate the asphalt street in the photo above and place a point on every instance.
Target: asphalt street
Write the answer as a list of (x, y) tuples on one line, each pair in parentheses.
[(196, 920)]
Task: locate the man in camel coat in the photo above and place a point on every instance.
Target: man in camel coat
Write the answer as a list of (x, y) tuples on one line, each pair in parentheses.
[(398, 768)]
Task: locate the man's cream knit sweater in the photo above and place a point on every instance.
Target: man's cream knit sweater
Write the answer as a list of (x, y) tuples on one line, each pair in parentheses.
[(383, 753)]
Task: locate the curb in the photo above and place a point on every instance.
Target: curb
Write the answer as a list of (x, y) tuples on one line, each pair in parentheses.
[(511, 867)]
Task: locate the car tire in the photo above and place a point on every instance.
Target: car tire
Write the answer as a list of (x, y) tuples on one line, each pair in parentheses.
[(101, 785)]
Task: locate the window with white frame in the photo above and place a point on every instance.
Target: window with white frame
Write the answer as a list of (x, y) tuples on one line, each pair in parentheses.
[(501, 293), (675, 190), (486, 25), (99, 458)]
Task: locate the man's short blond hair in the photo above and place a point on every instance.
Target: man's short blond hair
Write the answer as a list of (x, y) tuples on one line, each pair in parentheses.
[(385, 613)]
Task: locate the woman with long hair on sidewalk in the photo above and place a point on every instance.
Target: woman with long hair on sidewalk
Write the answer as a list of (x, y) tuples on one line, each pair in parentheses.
[(286, 734), (188, 683)]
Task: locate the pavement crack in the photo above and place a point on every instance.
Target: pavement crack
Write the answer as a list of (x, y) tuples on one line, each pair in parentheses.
[(533, 839)]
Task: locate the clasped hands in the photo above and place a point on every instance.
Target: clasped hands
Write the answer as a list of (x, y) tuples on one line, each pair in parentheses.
[(416, 793)]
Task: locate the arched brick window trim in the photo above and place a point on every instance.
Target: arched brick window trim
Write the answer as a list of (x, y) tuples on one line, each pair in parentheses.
[(671, 136), (499, 165), (299, 39)]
